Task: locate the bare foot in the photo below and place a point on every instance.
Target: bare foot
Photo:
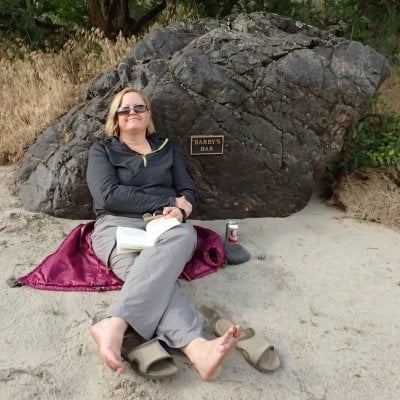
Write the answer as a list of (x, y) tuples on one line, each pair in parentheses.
[(208, 355), (108, 334)]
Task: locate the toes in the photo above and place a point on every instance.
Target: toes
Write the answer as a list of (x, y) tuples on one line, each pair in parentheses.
[(236, 332), (112, 362)]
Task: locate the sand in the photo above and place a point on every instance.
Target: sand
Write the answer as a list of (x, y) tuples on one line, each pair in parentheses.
[(322, 287)]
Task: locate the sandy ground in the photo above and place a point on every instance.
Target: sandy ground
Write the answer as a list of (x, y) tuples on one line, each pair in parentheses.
[(322, 287)]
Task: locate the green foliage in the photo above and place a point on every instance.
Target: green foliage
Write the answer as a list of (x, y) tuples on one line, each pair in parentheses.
[(196, 9), (374, 142), (139, 7), (40, 23), (67, 13), (205, 8), (369, 22), (385, 152), (17, 18)]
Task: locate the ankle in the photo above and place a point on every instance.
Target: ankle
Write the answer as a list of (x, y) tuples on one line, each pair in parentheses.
[(118, 323), (194, 347), (114, 325)]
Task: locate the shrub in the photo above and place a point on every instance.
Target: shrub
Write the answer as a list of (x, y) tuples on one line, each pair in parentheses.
[(374, 142)]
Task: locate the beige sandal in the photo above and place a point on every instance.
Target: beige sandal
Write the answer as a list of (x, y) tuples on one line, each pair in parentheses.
[(257, 351), (148, 359)]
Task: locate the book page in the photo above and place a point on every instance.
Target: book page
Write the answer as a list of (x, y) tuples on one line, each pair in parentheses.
[(132, 239), (158, 226)]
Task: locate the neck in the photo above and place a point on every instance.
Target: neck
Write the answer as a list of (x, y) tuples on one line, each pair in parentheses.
[(138, 144), (136, 140), (133, 138)]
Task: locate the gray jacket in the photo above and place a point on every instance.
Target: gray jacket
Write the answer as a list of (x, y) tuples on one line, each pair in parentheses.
[(123, 182)]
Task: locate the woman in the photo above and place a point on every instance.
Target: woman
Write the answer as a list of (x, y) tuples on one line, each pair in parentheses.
[(131, 173)]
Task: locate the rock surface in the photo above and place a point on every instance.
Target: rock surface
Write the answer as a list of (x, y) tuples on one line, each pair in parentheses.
[(282, 94)]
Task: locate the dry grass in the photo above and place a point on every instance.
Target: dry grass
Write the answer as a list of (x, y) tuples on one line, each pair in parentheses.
[(370, 194), (390, 91), (38, 87)]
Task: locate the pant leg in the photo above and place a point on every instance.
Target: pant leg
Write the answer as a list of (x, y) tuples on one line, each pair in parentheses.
[(180, 323), (104, 241), (151, 281), (150, 300)]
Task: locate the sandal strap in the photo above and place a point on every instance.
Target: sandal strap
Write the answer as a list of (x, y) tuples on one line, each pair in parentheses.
[(255, 348), (148, 353)]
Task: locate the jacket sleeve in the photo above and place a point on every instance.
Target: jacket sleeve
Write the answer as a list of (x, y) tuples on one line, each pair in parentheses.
[(109, 194), (183, 183)]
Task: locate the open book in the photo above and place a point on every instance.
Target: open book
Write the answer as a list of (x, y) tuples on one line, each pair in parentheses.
[(133, 239)]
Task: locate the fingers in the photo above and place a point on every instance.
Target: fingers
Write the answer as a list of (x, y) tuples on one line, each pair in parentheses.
[(181, 202), (169, 210), (172, 212)]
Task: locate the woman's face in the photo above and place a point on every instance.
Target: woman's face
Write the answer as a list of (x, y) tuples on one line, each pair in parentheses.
[(132, 114)]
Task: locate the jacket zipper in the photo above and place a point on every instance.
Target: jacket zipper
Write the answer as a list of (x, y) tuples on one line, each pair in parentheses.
[(163, 144)]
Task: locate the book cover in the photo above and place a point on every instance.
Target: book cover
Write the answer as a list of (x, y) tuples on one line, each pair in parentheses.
[(133, 239)]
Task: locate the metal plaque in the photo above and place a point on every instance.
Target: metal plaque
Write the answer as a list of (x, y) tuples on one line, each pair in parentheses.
[(206, 145)]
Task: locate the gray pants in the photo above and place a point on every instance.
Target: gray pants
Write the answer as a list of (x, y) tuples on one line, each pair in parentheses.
[(150, 300)]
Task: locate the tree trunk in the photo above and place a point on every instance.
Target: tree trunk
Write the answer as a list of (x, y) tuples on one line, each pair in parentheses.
[(227, 8), (171, 10), (112, 16), (259, 5), (96, 15)]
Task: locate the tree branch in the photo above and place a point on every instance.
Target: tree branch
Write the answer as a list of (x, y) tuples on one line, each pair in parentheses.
[(227, 8), (136, 26)]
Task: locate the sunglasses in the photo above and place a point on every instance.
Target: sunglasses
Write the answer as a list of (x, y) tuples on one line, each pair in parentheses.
[(139, 108), (156, 214)]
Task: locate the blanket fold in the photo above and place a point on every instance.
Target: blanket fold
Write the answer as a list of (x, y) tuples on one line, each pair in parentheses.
[(75, 267)]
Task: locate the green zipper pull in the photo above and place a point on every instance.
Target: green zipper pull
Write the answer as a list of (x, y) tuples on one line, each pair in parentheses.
[(164, 143)]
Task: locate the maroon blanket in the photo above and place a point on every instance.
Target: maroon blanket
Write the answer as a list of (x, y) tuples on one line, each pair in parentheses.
[(75, 267)]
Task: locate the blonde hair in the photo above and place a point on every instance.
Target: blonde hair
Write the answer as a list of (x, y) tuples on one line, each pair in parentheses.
[(111, 127)]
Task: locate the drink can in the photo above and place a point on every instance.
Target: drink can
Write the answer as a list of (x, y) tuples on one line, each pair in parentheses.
[(232, 232)]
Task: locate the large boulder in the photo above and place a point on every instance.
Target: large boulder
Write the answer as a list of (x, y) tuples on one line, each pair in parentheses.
[(281, 93)]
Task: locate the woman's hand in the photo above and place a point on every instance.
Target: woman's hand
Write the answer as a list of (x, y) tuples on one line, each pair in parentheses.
[(173, 212), (181, 202)]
